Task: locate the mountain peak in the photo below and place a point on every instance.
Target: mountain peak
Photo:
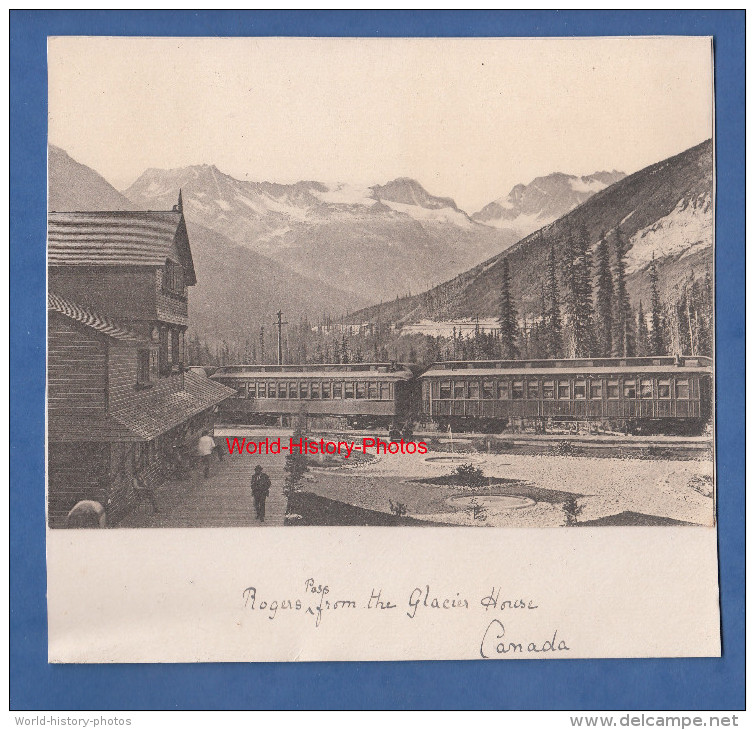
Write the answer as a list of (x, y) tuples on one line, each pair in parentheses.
[(545, 199), (407, 191)]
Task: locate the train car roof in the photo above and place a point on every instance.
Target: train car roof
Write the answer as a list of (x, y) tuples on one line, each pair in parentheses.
[(355, 371), (602, 366)]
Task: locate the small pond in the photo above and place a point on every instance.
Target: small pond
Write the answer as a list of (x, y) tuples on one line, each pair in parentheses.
[(493, 502)]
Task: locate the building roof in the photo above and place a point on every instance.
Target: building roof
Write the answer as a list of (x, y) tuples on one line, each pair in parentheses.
[(147, 413), (117, 238), (98, 322)]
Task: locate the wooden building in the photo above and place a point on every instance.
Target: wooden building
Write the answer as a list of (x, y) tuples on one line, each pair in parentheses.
[(119, 398)]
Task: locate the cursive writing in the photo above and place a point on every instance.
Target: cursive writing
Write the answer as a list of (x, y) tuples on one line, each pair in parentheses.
[(495, 644)]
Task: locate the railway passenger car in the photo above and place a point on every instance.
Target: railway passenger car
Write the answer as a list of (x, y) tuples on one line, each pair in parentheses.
[(642, 394), (354, 394)]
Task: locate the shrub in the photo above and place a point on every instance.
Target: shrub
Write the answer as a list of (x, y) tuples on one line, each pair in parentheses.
[(572, 509), (477, 511), (468, 475), (397, 508)]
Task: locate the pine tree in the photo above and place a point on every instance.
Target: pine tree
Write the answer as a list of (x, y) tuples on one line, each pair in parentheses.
[(553, 309), (623, 342), (344, 350), (578, 279), (507, 318), (604, 300), (657, 339), (643, 335)]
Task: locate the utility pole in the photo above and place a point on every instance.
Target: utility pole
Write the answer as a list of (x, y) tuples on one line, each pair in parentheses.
[(280, 324)]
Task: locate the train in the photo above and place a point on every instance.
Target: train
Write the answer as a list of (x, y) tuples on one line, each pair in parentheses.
[(666, 394), (356, 395)]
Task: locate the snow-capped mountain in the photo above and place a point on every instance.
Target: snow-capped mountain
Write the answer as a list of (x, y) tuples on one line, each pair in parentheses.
[(237, 288), (379, 241), (664, 211), (529, 207)]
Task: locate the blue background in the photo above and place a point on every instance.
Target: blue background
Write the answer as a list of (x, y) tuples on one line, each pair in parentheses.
[(683, 684)]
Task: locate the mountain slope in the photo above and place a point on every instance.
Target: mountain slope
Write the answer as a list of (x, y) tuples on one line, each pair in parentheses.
[(73, 186), (237, 289), (378, 241), (529, 207), (665, 209)]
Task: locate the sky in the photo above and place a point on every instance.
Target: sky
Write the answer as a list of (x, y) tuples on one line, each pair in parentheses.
[(467, 118)]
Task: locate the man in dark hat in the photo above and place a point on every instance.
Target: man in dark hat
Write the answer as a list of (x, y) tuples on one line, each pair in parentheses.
[(260, 491)]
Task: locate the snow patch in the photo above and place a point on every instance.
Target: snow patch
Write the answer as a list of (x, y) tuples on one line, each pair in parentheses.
[(688, 228), (586, 185), (346, 194), (431, 215)]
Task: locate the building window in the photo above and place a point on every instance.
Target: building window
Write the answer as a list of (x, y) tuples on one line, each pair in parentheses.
[(142, 366), (630, 389), (337, 390), (596, 389), (173, 277), (533, 389), (303, 390), (372, 390), (488, 389), (314, 389), (612, 389), (682, 389), (361, 390), (459, 389), (282, 389), (580, 390), (385, 391), (445, 389), (326, 391), (262, 390), (549, 390), (517, 390), (348, 389), (252, 389), (272, 390), (646, 388), (503, 389), (175, 346), (474, 389), (664, 388), (564, 390)]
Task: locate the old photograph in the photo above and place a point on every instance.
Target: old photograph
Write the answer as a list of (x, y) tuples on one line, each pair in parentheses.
[(396, 282)]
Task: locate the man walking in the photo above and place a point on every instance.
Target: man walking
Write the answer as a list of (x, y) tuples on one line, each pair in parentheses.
[(205, 446), (260, 491)]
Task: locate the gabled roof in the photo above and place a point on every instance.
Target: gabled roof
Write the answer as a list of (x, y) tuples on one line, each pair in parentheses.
[(114, 238), (103, 325)]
